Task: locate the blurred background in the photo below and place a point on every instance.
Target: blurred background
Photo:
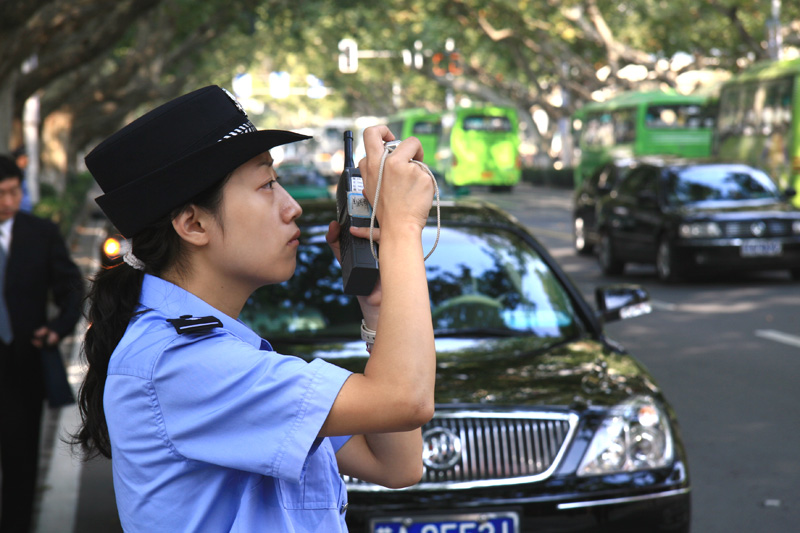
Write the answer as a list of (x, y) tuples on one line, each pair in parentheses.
[(559, 80), (73, 71)]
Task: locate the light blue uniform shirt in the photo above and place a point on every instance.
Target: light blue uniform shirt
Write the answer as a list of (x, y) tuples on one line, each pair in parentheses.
[(210, 432)]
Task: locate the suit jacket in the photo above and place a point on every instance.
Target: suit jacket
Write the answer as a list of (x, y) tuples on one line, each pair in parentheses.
[(39, 270)]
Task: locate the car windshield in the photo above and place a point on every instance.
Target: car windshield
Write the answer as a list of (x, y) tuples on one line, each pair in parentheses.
[(718, 184), (482, 283)]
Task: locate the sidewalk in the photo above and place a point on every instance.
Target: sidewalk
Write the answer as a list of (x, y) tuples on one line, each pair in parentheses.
[(63, 483)]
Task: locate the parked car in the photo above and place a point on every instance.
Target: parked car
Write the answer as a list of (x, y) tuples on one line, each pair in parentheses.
[(585, 201), (542, 422), (303, 181), (690, 217)]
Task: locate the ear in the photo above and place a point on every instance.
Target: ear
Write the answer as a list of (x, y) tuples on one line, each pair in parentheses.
[(192, 225)]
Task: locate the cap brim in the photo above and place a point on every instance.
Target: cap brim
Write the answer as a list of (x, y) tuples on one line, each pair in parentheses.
[(143, 201)]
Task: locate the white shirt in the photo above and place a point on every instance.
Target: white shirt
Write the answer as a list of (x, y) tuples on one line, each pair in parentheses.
[(5, 233)]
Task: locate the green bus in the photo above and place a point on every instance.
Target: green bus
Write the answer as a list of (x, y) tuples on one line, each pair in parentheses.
[(759, 121), (638, 123), (480, 146), (420, 123)]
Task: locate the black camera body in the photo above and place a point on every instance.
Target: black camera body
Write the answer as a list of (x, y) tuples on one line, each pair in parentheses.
[(359, 267)]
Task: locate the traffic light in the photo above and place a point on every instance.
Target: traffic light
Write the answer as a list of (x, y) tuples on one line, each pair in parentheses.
[(439, 67), (454, 65), (447, 63), (348, 56)]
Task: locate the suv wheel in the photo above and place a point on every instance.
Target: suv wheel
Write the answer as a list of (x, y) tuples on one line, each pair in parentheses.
[(609, 262)]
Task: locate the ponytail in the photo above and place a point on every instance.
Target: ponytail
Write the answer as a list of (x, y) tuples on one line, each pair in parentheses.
[(113, 300)]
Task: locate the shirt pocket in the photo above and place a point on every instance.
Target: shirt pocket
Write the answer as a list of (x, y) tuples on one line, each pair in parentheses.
[(320, 486)]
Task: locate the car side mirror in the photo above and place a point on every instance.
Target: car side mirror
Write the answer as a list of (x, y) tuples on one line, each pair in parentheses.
[(622, 301), (790, 192)]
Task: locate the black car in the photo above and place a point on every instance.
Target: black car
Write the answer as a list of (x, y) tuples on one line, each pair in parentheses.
[(585, 201), (693, 217), (542, 423)]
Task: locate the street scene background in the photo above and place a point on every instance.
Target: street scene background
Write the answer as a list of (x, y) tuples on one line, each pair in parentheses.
[(725, 350)]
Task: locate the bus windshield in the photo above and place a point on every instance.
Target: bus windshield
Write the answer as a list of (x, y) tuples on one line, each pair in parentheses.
[(672, 116), (486, 123)]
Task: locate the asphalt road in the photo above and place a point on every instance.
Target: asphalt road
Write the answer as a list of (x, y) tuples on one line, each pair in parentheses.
[(726, 351)]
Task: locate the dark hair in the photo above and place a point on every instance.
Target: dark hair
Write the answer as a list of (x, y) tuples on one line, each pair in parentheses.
[(112, 302), (9, 169)]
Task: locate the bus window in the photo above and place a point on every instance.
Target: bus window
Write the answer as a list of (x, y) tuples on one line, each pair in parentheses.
[(624, 126), (671, 116), (426, 128)]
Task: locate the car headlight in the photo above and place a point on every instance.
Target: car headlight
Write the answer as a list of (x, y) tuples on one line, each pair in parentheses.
[(699, 230), (636, 435)]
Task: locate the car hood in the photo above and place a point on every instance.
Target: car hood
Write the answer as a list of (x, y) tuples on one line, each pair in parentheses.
[(520, 371), (734, 210)]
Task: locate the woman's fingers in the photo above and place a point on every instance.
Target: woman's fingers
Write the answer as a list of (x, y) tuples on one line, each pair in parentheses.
[(364, 233)]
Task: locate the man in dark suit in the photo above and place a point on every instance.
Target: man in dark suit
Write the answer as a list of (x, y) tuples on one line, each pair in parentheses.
[(38, 273)]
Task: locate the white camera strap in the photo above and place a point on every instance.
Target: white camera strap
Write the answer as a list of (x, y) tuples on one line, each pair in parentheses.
[(386, 151)]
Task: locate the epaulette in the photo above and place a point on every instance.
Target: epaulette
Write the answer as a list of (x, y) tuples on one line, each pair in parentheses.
[(192, 324)]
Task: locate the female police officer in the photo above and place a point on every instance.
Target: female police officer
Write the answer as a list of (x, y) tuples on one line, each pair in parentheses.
[(207, 427)]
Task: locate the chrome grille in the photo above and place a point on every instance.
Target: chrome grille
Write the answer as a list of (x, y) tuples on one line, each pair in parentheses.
[(496, 449), (774, 228)]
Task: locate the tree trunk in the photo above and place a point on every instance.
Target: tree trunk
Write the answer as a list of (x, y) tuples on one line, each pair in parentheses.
[(6, 113)]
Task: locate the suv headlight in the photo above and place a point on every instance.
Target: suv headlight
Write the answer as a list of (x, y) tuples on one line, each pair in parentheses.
[(636, 435), (699, 230)]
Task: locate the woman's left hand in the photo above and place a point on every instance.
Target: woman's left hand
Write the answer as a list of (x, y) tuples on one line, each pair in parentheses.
[(370, 305)]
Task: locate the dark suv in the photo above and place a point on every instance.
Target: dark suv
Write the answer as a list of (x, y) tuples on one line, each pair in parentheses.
[(585, 201), (689, 217)]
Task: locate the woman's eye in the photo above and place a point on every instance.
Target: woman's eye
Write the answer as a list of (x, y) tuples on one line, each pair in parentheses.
[(271, 184)]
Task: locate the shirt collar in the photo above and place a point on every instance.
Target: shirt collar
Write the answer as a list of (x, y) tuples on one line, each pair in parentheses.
[(173, 302), (6, 228)]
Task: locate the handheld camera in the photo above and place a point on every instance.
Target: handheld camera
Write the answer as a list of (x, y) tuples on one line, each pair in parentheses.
[(359, 267)]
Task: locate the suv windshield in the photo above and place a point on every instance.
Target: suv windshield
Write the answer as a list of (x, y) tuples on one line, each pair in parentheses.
[(718, 183), (482, 282)]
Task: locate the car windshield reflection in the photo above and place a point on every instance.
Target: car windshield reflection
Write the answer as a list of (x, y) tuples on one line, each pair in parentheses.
[(482, 283), (697, 184)]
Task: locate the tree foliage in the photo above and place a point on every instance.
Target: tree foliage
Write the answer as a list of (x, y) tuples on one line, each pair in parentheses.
[(98, 62)]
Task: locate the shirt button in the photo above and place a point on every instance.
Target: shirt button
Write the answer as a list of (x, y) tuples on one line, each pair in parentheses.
[(343, 509)]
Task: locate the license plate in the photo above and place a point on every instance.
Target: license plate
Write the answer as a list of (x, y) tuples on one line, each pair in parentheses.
[(761, 249), (472, 523)]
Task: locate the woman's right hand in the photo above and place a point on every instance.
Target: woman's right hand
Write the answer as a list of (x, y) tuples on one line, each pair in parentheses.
[(406, 192)]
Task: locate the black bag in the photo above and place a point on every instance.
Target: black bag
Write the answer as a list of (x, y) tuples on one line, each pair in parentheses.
[(56, 385)]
